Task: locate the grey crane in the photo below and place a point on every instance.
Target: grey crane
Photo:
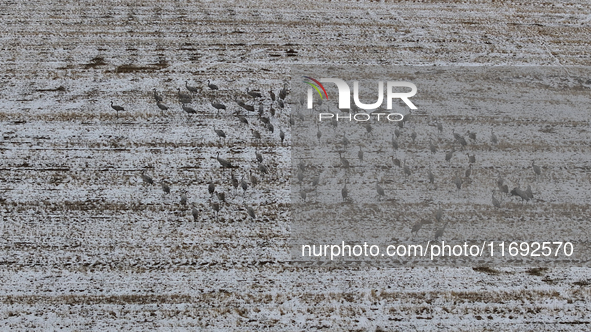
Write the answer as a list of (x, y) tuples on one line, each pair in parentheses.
[(272, 111), (500, 181), (272, 94), (253, 94), (191, 88), (165, 188), (413, 136), (432, 147), (243, 185), (518, 192), (300, 176), (243, 119), (283, 92), (183, 97), (360, 154), (117, 108), (368, 128), (281, 104), (212, 86), (417, 227), (394, 143), (536, 168), (249, 108), (439, 232), (316, 180), (345, 192), (223, 162), (258, 156), (256, 134), (216, 208), (303, 195), (380, 190), (188, 109), (195, 213), (529, 193), (250, 212), (459, 138), (406, 169), (263, 169), (469, 171), (396, 132), (261, 110), (458, 181), (345, 142), (318, 133), (449, 155), (211, 188), (270, 127), (396, 161), (157, 97), (344, 161), (281, 135), (496, 203), (253, 179), (221, 196), (472, 135), (439, 215), (471, 158), (235, 182), (161, 106), (493, 137), (184, 198), (218, 106), (431, 176), (504, 189), (220, 133), (439, 127), (264, 119), (147, 179)]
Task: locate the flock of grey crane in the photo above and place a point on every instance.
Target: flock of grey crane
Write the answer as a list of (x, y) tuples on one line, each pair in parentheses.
[(218, 198)]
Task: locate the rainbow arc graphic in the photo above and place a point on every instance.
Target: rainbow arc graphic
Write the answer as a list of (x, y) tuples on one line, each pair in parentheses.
[(316, 85)]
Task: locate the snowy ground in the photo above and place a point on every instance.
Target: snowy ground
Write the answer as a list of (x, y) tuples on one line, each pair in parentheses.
[(86, 245)]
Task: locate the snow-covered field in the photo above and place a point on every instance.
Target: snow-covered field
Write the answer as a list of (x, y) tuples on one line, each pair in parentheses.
[(87, 245)]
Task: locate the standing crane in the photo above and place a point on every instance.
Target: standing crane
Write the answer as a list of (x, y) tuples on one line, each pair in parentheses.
[(212, 86), (117, 108)]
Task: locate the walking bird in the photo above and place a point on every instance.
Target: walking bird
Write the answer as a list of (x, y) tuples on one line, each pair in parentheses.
[(251, 213), (195, 213), (223, 162), (188, 109), (165, 188), (345, 192), (439, 232), (191, 88), (156, 95), (493, 137), (183, 97), (161, 106), (212, 86), (218, 106), (147, 179), (417, 227), (253, 94)]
